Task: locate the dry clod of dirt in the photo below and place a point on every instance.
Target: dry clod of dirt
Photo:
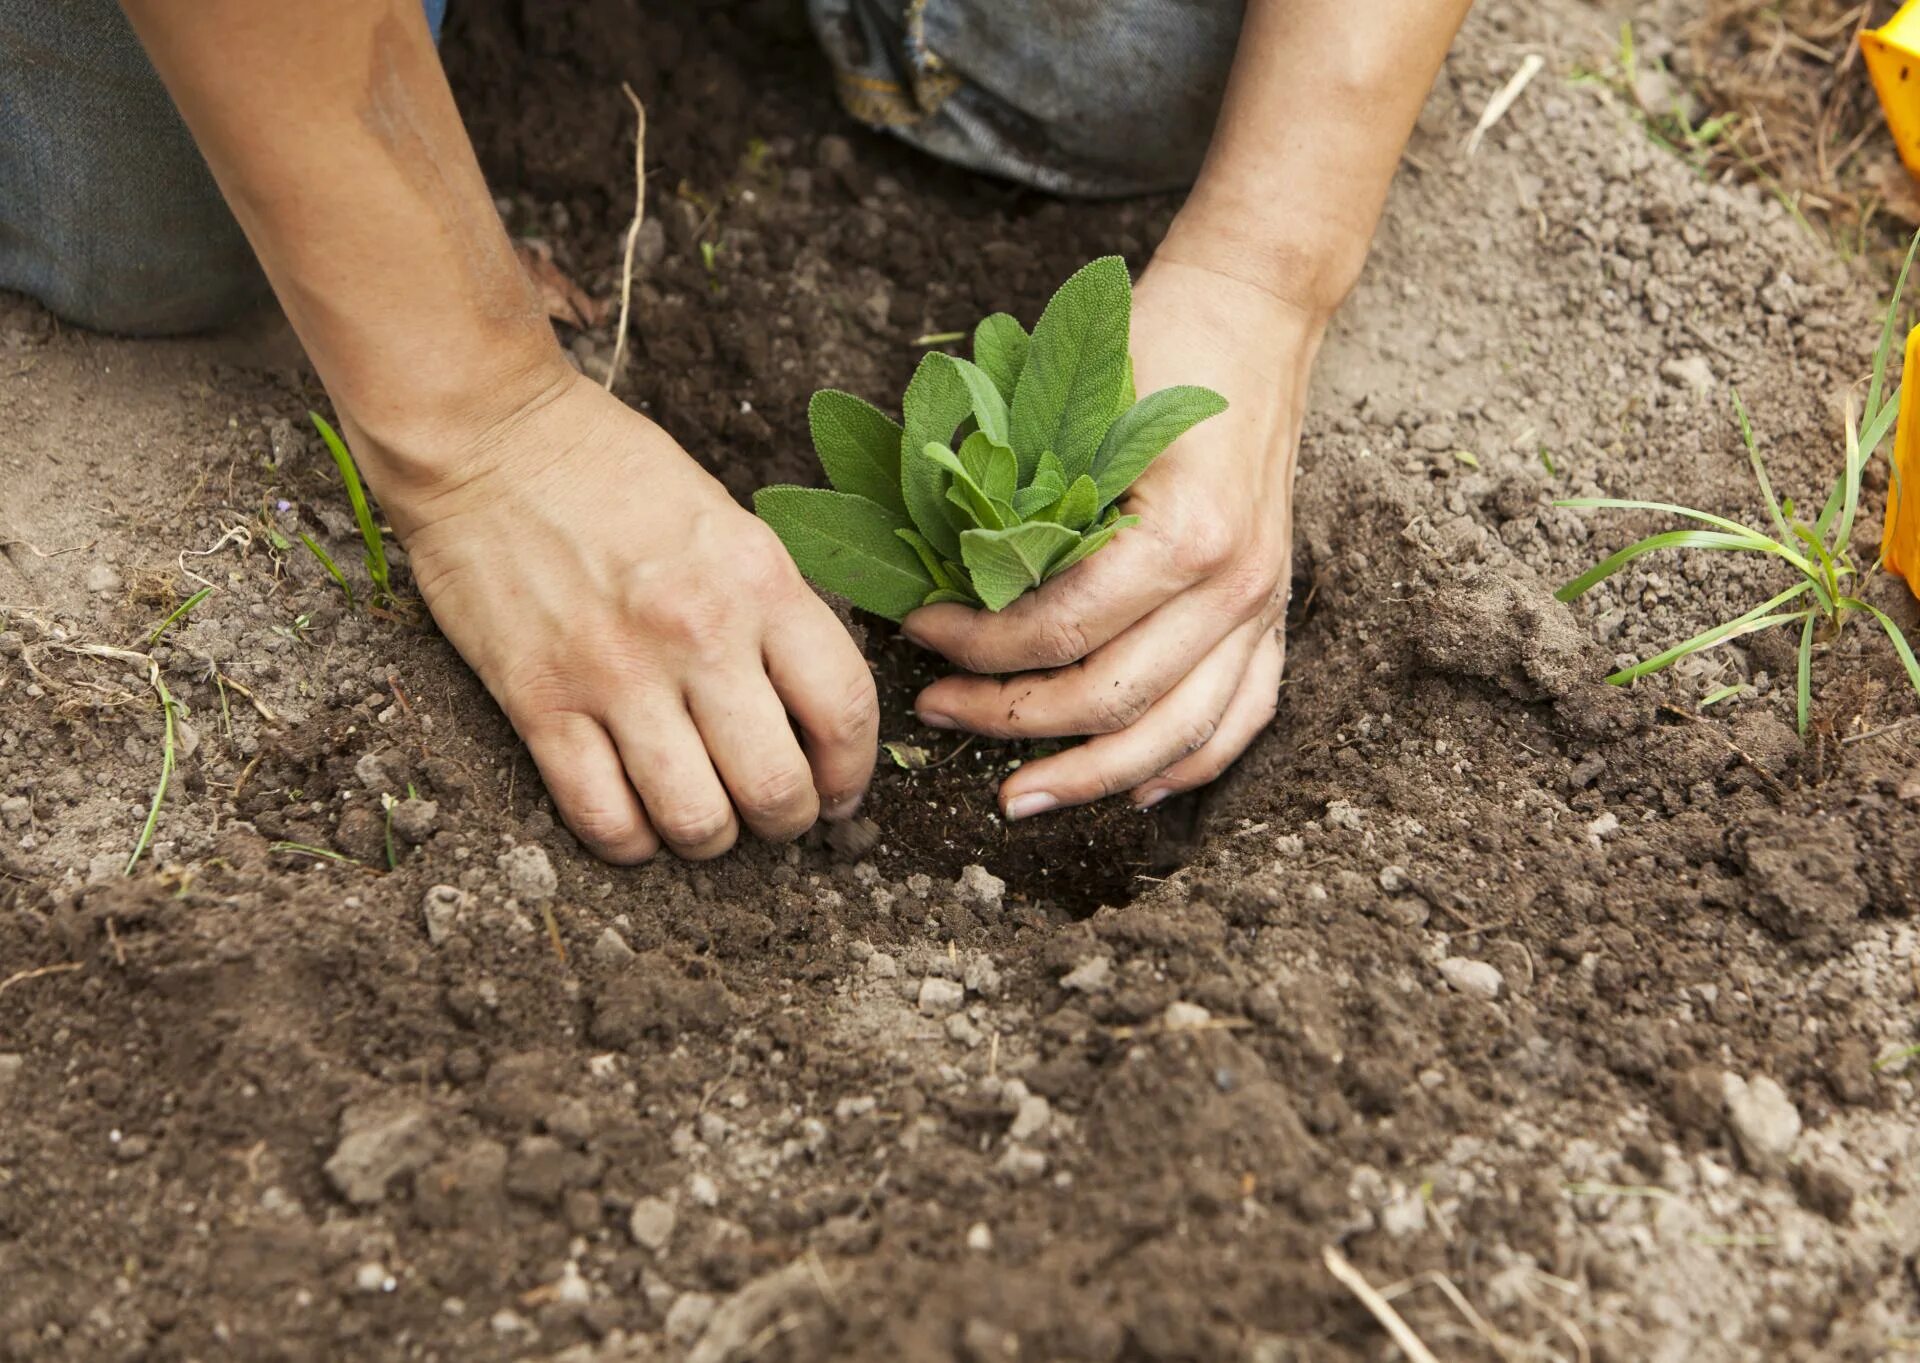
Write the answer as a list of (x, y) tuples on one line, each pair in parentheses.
[(529, 873), (980, 888), (938, 997), (1764, 1122), (380, 1142), (1472, 977), (443, 907), (1092, 976), (652, 1223), (610, 949)]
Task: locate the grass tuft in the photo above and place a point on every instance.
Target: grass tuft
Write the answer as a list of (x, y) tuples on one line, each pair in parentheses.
[(362, 514)]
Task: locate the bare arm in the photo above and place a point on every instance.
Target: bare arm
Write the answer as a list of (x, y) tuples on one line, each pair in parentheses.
[(1168, 645), (651, 674)]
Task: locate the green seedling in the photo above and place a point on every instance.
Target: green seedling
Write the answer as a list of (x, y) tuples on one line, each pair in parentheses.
[(168, 747), (178, 613), (1820, 553), (1004, 470), (387, 802), (362, 513), (326, 561)]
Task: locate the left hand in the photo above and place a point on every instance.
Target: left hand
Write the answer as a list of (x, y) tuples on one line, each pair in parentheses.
[(1167, 645)]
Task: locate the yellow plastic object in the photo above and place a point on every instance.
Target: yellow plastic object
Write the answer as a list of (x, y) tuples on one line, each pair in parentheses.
[(1900, 541), (1893, 60)]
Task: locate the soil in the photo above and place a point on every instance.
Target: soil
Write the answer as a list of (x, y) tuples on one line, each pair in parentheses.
[(1561, 998)]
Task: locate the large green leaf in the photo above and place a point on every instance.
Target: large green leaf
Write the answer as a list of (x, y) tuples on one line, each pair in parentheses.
[(991, 464), (1006, 563), (859, 447), (1076, 370), (1090, 543), (936, 402), (847, 544), (1078, 506), (1144, 430), (989, 408), (1000, 347)]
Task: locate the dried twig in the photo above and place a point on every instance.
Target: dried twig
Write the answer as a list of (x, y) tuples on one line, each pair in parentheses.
[(22, 976), (1378, 1306), (1498, 106), (619, 359)]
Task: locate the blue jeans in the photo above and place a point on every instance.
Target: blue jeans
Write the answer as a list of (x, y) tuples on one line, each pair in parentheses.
[(109, 216)]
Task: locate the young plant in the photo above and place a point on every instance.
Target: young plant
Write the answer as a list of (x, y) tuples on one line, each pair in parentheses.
[(1049, 437), (1823, 598), (362, 513)]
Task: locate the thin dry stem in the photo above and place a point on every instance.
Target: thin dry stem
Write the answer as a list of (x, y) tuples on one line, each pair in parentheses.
[(618, 362)]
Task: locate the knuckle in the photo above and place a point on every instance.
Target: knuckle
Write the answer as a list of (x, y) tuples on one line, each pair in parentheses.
[(1205, 548), (765, 565), (1059, 641), (855, 719), (778, 794), (695, 825), (1117, 707), (613, 834), (1195, 733)]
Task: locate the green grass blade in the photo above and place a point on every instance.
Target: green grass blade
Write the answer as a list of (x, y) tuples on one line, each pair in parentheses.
[(1900, 644), (362, 511), (1759, 466), (1850, 482), (1803, 684), (1756, 619), (326, 561), (1723, 693), (1624, 504), (1666, 539), (178, 612)]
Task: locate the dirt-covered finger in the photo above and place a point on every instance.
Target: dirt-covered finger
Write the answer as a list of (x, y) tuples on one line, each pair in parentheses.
[(825, 684), (752, 746), (682, 794), (584, 775), (1249, 713), (1182, 722)]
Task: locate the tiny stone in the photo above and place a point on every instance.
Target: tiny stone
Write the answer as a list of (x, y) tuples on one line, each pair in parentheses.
[(1764, 1122), (1020, 1164), (960, 1028), (1393, 879), (15, 811), (1091, 976), (687, 1319), (1033, 1117), (529, 872), (652, 1223), (939, 997), (371, 1277), (1603, 827), (981, 888), (979, 1237), (1472, 977), (882, 966), (442, 908), (702, 1189), (1184, 1017), (610, 949)]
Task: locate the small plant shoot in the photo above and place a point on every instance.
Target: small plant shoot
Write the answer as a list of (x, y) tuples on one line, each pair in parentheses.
[(1003, 470), (1825, 594)]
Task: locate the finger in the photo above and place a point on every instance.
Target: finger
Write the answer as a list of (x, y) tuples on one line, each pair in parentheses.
[(752, 746), (827, 687), (1064, 619), (583, 774), (1107, 692), (1249, 713), (1183, 721), (684, 799)]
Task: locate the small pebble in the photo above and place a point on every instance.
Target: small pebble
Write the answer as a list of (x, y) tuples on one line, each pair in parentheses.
[(1472, 977), (939, 997)]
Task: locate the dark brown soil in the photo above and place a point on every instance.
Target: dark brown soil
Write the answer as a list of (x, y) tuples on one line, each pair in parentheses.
[(1474, 967)]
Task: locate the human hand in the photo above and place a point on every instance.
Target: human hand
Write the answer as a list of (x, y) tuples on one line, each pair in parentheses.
[(647, 637), (1167, 645)]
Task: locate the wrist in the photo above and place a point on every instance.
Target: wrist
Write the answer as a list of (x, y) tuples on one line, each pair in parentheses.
[(1308, 267)]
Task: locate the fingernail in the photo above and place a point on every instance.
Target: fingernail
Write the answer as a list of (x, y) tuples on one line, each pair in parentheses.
[(933, 719), (1026, 806), (1152, 798)]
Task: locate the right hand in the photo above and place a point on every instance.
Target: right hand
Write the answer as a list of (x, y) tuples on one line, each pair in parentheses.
[(647, 637)]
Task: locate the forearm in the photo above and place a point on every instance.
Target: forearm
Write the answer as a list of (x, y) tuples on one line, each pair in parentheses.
[(1322, 98), (334, 137)]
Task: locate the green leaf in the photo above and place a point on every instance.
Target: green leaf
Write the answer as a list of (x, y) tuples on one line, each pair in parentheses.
[(1803, 682), (929, 559), (991, 464), (1756, 619), (989, 408), (943, 596), (1127, 394), (1666, 539), (1007, 563), (936, 402), (362, 512), (1091, 543), (1759, 465), (965, 491), (859, 447), (847, 544), (1900, 645), (1076, 370), (1144, 430), (907, 756), (1000, 348), (1078, 507), (1029, 502)]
